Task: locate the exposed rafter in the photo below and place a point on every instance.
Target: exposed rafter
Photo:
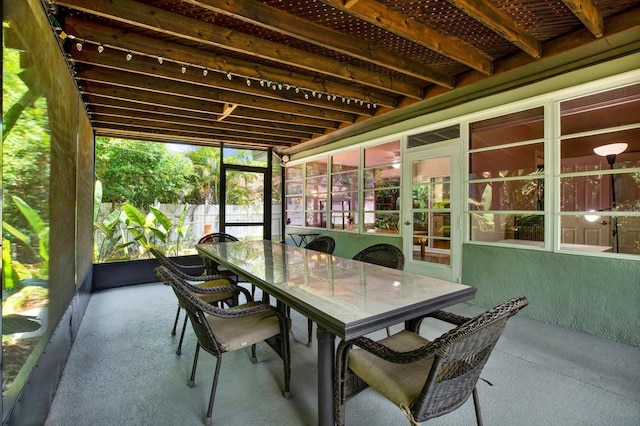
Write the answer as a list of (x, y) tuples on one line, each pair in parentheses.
[(294, 76)]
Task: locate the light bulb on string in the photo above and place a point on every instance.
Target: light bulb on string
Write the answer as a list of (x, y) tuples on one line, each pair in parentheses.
[(184, 69), (79, 46), (100, 48), (129, 56), (205, 72), (248, 82), (229, 76), (160, 60)]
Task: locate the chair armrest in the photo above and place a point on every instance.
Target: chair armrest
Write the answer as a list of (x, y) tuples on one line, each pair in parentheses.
[(188, 277), (231, 287), (236, 312), (448, 317), (390, 355)]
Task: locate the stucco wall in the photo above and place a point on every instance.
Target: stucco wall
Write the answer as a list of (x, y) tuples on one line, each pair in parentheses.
[(599, 296)]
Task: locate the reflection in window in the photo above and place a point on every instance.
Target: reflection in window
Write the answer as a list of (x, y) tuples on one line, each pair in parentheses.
[(434, 136), (293, 195), (316, 192), (381, 196), (344, 191), (507, 178), (25, 214), (600, 172)]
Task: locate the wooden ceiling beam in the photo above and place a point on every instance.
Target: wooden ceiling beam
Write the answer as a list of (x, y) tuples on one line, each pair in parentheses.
[(146, 116), (165, 22), (126, 41), (492, 17), (210, 95), (291, 25), (107, 130), (588, 14), (185, 129), (393, 21), (92, 91), (115, 60)]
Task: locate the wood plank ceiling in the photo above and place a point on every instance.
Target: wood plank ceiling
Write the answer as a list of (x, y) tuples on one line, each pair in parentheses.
[(290, 74)]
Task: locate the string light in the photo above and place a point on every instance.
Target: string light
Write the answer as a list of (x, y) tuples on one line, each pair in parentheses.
[(248, 79)]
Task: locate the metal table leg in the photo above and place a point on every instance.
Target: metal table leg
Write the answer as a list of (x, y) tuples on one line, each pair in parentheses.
[(326, 362)]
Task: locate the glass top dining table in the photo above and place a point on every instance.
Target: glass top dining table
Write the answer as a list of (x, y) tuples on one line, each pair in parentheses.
[(346, 298)]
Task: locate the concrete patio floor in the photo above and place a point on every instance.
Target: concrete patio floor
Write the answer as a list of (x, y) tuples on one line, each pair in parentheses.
[(123, 370)]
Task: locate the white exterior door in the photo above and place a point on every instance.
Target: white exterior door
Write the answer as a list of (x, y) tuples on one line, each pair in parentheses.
[(431, 211)]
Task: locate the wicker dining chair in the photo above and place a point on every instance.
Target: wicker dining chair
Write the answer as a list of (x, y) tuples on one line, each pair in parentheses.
[(382, 254), (214, 268), (424, 379), (225, 330), (226, 293), (324, 244)]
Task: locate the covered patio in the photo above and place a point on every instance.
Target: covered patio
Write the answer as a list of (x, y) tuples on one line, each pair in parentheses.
[(123, 370), (309, 83)]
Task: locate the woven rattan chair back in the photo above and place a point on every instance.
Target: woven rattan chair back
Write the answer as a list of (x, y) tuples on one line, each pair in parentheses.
[(461, 355), (200, 314), (190, 273), (383, 255), (179, 268), (323, 243), (458, 359), (216, 237)]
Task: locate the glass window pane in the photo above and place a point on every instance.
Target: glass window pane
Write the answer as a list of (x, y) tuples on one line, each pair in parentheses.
[(384, 199), (432, 195), (380, 222), (595, 233), (433, 136), (596, 193), (616, 107), (345, 161), (517, 127), (344, 201), (293, 172), (244, 157), (382, 177), (507, 228), (317, 186), (382, 154), (346, 220), (525, 194), (317, 167), (315, 202), (316, 219), (344, 182), (294, 203), (577, 154), (505, 162), (294, 187), (294, 218)]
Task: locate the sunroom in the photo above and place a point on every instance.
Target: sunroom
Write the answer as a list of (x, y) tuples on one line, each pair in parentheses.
[(501, 151)]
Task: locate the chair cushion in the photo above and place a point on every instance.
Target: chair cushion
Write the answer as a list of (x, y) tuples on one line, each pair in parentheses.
[(240, 332), (400, 383), (214, 297)]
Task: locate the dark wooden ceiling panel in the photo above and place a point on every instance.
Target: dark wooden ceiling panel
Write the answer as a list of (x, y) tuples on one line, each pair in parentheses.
[(270, 73)]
